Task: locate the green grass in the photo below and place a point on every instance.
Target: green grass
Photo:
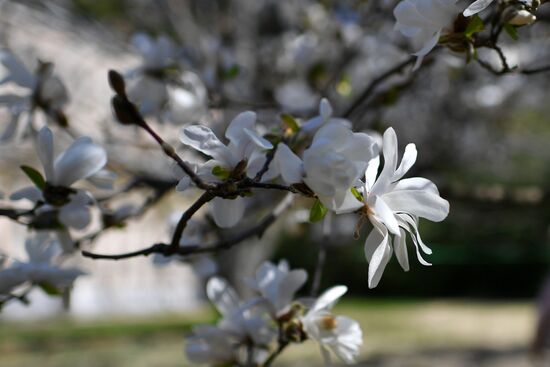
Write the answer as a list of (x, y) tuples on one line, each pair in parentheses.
[(389, 326)]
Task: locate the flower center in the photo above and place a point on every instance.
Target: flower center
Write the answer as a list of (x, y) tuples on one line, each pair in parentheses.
[(328, 322)]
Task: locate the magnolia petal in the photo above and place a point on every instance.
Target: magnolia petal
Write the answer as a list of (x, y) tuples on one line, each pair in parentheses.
[(204, 140), (389, 150), (81, 160), (416, 183), (412, 227), (409, 158), (75, 215), (291, 283), (400, 247), (344, 202), (385, 213), (65, 241), (327, 300), (103, 179), (325, 109), (258, 140), (18, 72), (419, 203), (227, 213), (287, 164), (44, 148), (236, 130), (30, 193), (476, 7), (428, 45), (378, 262), (11, 130), (183, 184), (371, 172), (222, 295)]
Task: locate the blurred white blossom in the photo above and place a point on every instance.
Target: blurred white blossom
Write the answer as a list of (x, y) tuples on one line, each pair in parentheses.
[(245, 145), (424, 21), (339, 334)]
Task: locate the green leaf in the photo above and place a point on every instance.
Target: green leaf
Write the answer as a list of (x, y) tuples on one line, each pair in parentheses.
[(357, 194), (475, 25), (35, 177), (317, 212), (49, 289), (221, 172), (232, 72), (511, 31), (290, 122)]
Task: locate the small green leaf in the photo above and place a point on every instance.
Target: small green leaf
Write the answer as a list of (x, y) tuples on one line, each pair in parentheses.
[(221, 172), (317, 212), (290, 122), (232, 72), (35, 177), (475, 25), (49, 289), (511, 31), (357, 194)]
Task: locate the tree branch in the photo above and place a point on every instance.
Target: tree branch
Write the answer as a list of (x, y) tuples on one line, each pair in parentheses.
[(168, 250)]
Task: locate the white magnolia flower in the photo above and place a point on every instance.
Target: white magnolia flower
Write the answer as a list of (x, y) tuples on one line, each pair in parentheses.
[(325, 117), (81, 160), (277, 285), (476, 7), (44, 89), (211, 345), (339, 334), (242, 320), (334, 163), (245, 145), (40, 268), (394, 205), (424, 21)]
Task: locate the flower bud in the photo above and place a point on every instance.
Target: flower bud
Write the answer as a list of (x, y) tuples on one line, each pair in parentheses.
[(125, 111), (519, 17), (116, 81)]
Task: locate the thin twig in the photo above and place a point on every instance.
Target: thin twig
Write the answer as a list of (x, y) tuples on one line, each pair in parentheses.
[(375, 83), (165, 249), (321, 256), (187, 215)]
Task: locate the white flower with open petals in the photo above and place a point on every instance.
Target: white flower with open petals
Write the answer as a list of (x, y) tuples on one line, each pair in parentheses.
[(43, 89), (81, 160), (325, 117), (277, 285), (242, 320), (424, 21), (245, 145), (394, 205), (339, 334), (334, 163), (40, 268), (476, 7)]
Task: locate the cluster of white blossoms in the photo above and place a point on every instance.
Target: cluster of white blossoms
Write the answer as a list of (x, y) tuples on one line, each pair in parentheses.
[(41, 90), (340, 167), (158, 87), (426, 21), (255, 329), (42, 267)]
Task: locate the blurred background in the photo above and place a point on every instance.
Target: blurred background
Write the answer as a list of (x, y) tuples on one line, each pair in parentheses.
[(483, 139)]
